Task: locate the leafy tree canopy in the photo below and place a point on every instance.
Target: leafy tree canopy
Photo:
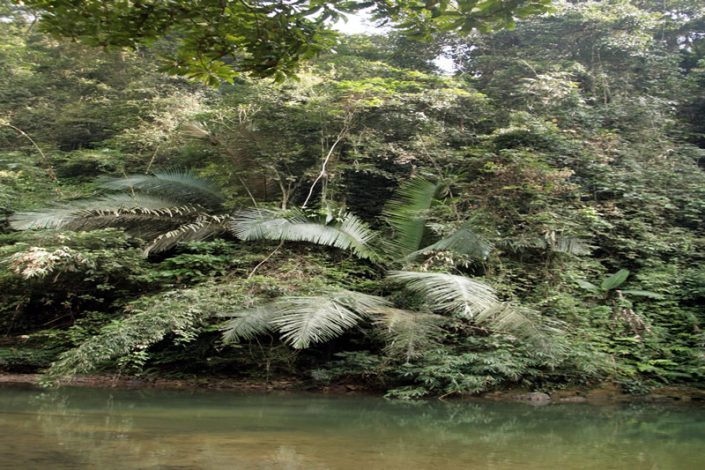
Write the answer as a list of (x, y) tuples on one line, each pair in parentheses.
[(213, 40)]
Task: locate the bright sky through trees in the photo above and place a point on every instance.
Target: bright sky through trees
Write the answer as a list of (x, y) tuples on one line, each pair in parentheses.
[(361, 23)]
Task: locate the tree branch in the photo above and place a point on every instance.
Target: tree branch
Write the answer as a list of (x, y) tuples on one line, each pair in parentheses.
[(341, 135)]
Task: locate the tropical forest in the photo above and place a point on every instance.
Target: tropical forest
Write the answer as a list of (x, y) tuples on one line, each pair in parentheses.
[(532, 213), (470, 198), (464, 200)]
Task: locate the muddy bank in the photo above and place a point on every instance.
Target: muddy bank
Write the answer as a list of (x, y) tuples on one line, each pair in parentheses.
[(110, 381), (606, 393)]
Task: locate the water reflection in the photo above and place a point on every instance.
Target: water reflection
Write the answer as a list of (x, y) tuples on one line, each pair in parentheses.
[(83, 428)]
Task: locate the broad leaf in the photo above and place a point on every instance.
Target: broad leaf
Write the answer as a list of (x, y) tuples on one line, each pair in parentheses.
[(588, 285), (615, 280)]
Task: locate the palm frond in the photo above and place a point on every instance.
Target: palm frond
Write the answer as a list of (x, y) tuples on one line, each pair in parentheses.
[(408, 334), (456, 295), (51, 218), (307, 320), (204, 227), (407, 211), (195, 130), (250, 323), (524, 323), (263, 224), (302, 321), (179, 186), (142, 222), (350, 233), (507, 318), (464, 241), (76, 213), (364, 304)]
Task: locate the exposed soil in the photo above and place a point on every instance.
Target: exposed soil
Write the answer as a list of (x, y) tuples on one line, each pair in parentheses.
[(115, 381), (606, 393)]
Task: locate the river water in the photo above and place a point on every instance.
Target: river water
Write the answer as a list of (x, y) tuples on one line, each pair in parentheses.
[(147, 429)]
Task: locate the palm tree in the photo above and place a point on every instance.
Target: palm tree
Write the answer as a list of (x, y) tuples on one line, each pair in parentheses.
[(302, 321), (171, 207)]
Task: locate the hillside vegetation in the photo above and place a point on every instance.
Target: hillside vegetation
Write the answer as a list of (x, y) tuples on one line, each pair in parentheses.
[(535, 218)]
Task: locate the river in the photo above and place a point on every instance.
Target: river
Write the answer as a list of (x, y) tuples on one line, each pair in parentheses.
[(81, 428)]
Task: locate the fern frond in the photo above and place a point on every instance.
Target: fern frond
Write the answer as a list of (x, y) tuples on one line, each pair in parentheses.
[(150, 320), (178, 186), (348, 234), (456, 295), (407, 212)]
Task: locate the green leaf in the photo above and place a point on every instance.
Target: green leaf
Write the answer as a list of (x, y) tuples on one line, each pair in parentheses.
[(407, 211), (588, 285), (615, 280), (464, 241)]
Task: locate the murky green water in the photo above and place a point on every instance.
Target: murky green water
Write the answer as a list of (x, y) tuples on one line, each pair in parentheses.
[(107, 429)]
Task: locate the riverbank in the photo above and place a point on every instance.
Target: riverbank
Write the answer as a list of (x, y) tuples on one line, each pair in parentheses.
[(605, 393), (126, 382)]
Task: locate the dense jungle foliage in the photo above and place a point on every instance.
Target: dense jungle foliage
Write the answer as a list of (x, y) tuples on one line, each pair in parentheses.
[(535, 218)]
